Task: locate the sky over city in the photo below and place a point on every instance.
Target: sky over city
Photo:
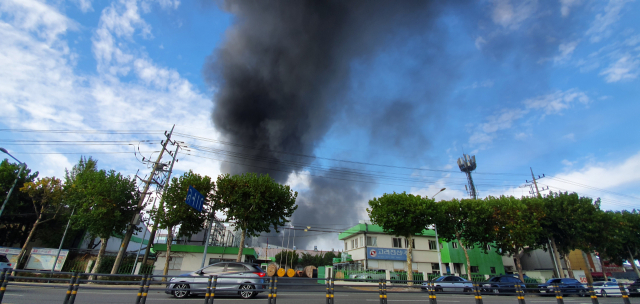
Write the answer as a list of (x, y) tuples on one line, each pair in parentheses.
[(342, 101)]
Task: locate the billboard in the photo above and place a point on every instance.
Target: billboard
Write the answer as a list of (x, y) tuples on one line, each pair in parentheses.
[(43, 259), (394, 254), (11, 253)]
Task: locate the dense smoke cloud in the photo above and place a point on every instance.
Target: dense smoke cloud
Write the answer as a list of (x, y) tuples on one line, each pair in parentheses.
[(283, 73)]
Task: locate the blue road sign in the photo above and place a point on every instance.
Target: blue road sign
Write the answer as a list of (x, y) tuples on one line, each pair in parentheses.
[(195, 199)]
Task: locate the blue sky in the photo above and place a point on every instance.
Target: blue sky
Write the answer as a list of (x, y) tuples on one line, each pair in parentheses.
[(551, 85)]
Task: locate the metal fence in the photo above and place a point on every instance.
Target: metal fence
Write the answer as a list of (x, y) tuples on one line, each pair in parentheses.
[(75, 283)]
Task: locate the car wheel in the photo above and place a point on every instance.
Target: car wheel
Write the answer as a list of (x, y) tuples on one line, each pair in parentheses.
[(496, 291), (247, 291), (183, 292), (438, 289), (582, 293), (466, 290), (603, 293)]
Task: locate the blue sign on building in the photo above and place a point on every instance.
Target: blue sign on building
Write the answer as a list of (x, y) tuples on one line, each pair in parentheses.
[(387, 254), (194, 199)]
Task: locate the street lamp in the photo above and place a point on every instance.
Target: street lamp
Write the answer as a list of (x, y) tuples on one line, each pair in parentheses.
[(436, 231), (22, 165)]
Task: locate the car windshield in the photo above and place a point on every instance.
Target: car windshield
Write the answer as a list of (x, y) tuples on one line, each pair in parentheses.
[(4, 259), (440, 279), (553, 281)]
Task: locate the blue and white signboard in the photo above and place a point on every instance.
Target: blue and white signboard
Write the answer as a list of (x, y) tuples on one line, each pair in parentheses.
[(387, 254), (195, 199)]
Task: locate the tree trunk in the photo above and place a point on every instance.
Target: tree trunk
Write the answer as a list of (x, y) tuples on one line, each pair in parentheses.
[(92, 242), (23, 251), (587, 271), (409, 258), (519, 266), (569, 269), (466, 255), (556, 254), (241, 247), (604, 272), (633, 262), (96, 266), (166, 261)]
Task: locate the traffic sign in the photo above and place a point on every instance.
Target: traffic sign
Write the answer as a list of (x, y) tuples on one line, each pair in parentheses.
[(194, 199)]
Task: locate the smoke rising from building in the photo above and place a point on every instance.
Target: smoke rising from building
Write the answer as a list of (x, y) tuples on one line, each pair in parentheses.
[(283, 75)]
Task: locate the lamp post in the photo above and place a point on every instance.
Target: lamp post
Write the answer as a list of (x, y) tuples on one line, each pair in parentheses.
[(22, 165), (437, 242)]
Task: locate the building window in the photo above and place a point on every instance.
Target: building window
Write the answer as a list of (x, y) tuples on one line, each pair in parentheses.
[(356, 244), (353, 244), (406, 243), (435, 267), (397, 243), (475, 269), (454, 245), (345, 246), (361, 241), (372, 241), (469, 247), (488, 247), (493, 269), (432, 245)]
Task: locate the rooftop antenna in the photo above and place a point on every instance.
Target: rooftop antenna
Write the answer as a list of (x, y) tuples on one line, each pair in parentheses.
[(467, 164)]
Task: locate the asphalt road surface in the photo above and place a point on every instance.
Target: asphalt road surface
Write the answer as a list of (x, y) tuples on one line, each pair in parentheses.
[(48, 294)]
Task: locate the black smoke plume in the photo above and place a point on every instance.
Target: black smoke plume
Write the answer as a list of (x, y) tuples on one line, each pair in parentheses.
[(282, 74)]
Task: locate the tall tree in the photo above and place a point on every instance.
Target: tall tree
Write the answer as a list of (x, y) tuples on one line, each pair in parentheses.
[(516, 225), (104, 203), (176, 213), (46, 195), (464, 221), (631, 220), (405, 215), (18, 213), (256, 203)]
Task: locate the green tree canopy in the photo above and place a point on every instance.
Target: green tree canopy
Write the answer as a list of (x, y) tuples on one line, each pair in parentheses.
[(176, 213), (403, 214), (18, 214), (255, 202), (104, 204)]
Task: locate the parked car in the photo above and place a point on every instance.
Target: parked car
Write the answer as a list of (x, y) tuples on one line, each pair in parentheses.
[(605, 289), (450, 284), (5, 264), (566, 286), (502, 284), (373, 275), (634, 288), (231, 276)]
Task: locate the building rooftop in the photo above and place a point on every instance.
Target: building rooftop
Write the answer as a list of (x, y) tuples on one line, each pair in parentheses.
[(362, 228)]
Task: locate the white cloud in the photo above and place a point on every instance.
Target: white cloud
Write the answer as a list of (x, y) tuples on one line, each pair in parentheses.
[(509, 16), (299, 181), (565, 6), (553, 103), (624, 69), (480, 42), (609, 176), (601, 26), (84, 5), (566, 50), (570, 137), (482, 84), (39, 88), (521, 136)]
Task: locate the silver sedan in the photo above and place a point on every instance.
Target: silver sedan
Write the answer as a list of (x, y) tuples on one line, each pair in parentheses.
[(450, 284), (233, 278)]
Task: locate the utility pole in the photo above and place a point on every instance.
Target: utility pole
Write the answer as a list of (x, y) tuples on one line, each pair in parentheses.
[(136, 218), (152, 236), (555, 257)]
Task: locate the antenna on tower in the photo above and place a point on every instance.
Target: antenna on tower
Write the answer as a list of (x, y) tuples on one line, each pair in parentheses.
[(467, 164)]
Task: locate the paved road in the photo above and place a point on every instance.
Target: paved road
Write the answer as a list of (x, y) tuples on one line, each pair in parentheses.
[(47, 294)]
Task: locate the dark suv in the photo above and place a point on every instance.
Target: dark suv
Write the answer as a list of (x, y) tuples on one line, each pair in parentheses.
[(233, 278), (634, 289), (501, 284), (566, 286)]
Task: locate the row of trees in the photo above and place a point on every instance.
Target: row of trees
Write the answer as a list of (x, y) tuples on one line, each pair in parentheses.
[(102, 203), (513, 226)]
